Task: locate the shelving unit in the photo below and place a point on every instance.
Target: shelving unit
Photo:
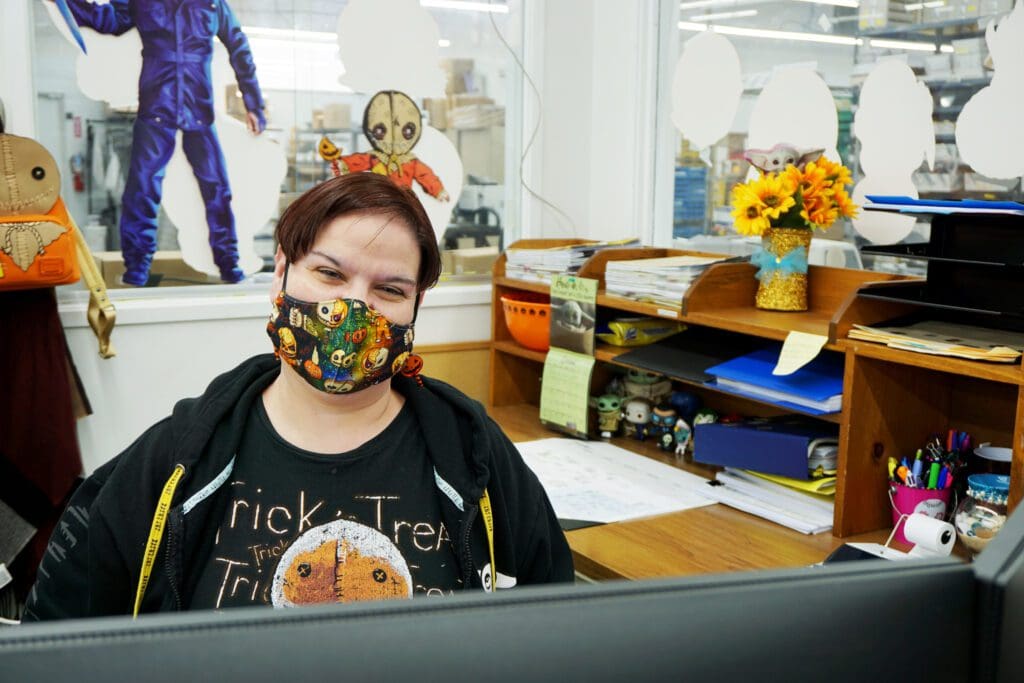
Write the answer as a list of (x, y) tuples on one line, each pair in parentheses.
[(893, 400)]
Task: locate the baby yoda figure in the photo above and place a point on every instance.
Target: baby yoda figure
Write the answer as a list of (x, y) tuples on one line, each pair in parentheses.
[(780, 156), (609, 414)]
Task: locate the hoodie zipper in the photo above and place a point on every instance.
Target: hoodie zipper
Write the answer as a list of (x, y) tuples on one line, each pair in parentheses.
[(172, 542), (467, 552)]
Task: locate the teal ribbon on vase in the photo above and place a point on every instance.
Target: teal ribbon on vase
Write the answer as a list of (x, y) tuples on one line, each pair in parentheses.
[(790, 264)]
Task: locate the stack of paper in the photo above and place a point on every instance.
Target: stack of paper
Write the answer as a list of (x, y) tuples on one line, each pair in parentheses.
[(815, 388), (947, 339), (661, 281), (539, 265), (597, 482), (802, 512)]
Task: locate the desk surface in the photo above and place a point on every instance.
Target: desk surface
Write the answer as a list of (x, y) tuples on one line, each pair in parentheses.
[(713, 538)]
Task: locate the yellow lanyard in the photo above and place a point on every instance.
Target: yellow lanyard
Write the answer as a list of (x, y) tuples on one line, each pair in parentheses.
[(156, 534), (485, 509)]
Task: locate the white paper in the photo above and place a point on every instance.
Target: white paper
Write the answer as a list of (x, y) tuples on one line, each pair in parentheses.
[(896, 132), (798, 511), (390, 45), (989, 134), (706, 89), (598, 482)]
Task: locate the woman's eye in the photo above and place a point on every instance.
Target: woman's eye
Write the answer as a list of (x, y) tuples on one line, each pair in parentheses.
[(326, 272), (392, 291)]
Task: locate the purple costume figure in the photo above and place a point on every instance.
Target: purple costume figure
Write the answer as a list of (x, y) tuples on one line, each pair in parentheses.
[(176, 93)]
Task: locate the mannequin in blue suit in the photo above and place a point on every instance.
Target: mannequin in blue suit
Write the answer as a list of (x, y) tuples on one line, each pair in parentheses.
[(176, 93)]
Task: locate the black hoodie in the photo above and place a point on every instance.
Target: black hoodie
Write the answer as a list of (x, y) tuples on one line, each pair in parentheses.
[(94, 559)]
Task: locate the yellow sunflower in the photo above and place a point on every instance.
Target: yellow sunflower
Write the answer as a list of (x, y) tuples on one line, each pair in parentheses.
[(845, 204), (775, 191), (819, 211), (747, 211), (838, 174)]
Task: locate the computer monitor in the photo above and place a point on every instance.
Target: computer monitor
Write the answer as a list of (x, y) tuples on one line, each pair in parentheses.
[(999, 636), (854, 621)]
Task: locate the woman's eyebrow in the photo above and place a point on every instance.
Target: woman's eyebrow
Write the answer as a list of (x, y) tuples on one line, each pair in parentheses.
[(394, 279)]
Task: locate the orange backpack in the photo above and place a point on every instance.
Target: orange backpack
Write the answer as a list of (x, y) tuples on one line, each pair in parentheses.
[(37, 240)]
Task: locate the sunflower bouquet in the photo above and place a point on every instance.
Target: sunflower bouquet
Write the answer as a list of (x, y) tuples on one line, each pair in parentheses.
[(811, 197), (785, 206)]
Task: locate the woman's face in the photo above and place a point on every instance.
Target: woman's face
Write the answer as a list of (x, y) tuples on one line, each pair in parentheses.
[(358, 256)]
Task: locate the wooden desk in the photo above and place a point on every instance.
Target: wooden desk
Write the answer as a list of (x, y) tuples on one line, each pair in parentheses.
[(714, 538)]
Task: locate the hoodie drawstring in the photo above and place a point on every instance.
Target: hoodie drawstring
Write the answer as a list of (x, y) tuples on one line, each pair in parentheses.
[(156, 534)]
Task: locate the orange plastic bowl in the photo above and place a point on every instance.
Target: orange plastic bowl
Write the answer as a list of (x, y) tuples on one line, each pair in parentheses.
[(528, 317)]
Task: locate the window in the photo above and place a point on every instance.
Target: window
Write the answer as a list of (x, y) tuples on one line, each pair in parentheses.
[(295, 49), (942, 42)]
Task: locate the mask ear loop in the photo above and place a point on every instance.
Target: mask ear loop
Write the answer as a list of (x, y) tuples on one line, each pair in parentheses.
[(414, 363), (284, 282)]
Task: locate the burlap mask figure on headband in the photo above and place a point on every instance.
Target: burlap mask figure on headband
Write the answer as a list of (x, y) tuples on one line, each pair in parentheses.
[(393, 124)]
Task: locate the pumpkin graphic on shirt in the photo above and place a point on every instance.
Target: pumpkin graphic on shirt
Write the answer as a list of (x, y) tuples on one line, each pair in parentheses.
[(341, 561)]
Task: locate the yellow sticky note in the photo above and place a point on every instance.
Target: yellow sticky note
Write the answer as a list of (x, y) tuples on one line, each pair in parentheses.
[(565, 390), (798, 350)]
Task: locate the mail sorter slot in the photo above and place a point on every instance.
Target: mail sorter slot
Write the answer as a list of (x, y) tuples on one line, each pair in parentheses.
[(774, 446), (966, 237), (994, 292)]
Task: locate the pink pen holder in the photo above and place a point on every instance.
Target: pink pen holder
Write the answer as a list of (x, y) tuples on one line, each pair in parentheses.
[(907, 500)]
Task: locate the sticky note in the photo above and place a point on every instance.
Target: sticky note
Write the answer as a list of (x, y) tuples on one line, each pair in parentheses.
[(799, 349)]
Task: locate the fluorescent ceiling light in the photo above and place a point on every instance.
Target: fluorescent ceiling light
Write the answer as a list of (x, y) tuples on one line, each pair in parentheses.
[(696, 3), (444, 43), (835, 3), (775, 35), (902, 45), (465, 6), (725, 15), (812, 37), (289, 34), (924, 5)]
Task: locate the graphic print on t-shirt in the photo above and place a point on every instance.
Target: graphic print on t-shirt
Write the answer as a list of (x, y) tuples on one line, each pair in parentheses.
[(341, 561)]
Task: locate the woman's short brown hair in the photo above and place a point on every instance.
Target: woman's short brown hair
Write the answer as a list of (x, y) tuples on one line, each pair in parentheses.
[(302, 222)]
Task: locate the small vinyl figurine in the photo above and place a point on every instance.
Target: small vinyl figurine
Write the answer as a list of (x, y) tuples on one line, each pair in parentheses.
[(637, 413), (609, 414), (651, 386), (779, 157), (662, 418), (683, 435)]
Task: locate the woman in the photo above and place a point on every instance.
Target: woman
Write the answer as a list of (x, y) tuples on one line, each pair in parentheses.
[(327, 472)]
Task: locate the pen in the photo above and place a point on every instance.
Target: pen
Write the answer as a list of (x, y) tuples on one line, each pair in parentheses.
[(892, 466), (916, 471), (942, 477), (902, 473)]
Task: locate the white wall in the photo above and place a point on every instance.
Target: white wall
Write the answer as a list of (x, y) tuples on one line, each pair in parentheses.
[(592, 61), (170, 348)]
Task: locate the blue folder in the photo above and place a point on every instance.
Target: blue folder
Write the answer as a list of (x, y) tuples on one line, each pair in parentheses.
[(819, 381)]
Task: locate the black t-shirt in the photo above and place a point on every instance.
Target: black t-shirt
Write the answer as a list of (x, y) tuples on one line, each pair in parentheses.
[(303, 528)]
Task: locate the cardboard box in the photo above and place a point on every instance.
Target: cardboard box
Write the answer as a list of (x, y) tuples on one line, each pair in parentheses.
[(337, 116), (437, 112), (168, 265), (467, 261)]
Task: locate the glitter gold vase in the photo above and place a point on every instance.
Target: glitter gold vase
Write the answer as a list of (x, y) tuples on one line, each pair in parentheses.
[(784, 290)]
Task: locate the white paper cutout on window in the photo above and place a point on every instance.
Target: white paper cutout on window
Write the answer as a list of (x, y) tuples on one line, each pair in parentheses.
[(796, 108), (706, 89), (110, 73), (390, 45), (989, 133), (896, 133)]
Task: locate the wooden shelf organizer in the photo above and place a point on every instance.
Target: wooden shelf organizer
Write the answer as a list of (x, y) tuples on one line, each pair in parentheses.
[(893, 400)]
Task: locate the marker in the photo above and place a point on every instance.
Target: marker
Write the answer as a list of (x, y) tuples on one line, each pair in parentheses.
[(942, 477), (916, 471), (933, 476), (902, 473), (892, 466)]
